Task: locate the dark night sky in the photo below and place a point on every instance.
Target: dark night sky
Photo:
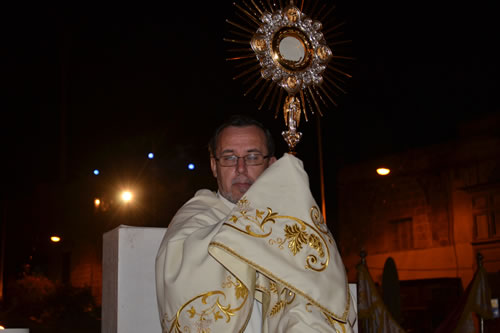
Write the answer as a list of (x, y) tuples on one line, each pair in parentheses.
[(126, 79), (154, 74)]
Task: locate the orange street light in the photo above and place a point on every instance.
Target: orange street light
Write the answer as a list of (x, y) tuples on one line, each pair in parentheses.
[(55, 239), (97, 202), (127, 196), (383, 171)]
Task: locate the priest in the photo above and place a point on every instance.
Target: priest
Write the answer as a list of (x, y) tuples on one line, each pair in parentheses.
[(255, 256)]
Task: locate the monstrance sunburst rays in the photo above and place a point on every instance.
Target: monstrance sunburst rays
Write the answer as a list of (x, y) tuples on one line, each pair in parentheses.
[(289, 55)]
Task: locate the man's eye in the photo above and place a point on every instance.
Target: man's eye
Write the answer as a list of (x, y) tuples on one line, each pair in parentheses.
[(229, 158), (252, 157)]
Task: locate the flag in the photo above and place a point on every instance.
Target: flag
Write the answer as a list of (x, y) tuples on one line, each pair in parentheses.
[(476, 299), (372, 313)]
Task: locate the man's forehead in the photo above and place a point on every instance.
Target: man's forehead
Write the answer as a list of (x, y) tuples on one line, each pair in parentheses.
[(232, 151), (247, 138)]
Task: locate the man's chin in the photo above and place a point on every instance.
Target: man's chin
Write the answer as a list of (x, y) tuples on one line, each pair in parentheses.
[(231, 197), (239, 189)]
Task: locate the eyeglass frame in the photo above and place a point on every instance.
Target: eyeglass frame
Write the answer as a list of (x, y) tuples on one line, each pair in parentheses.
[(243, 157)]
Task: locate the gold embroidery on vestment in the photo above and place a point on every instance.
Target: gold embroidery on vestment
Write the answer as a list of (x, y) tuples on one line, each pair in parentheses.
[(278, 241), (285, 297), (214, 308), (240, 290), (270, 275), (277, 307), (296, 238), (335, 323), (297, 234), (262, 289)]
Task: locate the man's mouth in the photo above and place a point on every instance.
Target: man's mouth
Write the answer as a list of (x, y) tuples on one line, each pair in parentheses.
[(242, 184)]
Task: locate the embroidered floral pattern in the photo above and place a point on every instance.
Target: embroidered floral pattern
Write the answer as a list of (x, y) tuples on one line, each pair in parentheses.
[(240, 290), (296, 238), (283, 298), (208, 308), (257, 223), (320, 223)]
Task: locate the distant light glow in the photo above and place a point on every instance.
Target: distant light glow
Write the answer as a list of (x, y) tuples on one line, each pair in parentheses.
[(383, 171), (96, 172), (1, 327), (191, 166), (97, 202), (151, 156), (126, 196), (55, 239)]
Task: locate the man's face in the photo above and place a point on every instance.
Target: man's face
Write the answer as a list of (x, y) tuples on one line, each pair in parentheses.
[(234, 181)]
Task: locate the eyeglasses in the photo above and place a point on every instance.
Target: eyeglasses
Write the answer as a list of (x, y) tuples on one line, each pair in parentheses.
[(250, 159)]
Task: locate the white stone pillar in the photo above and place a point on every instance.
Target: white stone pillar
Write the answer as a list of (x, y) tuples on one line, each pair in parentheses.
[(128, 280)]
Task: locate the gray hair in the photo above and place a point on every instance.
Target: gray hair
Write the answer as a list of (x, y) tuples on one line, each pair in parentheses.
[(241, 121)]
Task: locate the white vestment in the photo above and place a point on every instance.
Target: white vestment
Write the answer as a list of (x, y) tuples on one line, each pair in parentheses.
[(273, 246), (255, 322)]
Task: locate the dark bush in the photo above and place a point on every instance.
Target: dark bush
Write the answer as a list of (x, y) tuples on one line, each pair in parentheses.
[(42, 305)]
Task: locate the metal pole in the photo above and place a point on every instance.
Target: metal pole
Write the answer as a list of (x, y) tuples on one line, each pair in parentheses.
[(479, 258), (3, 230), (321, 171)]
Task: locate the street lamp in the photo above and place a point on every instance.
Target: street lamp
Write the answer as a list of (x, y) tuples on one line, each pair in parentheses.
[(55, 239), (383, 171), (126, 196)]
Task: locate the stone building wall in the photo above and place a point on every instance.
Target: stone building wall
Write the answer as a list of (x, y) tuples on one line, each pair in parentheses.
[(422, 213)]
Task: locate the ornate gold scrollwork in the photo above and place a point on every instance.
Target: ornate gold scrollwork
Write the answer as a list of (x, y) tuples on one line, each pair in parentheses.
[(211, 309), (298, 234), (285, 297)]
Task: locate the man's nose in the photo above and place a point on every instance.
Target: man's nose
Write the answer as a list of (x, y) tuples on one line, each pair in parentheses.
[(241, 166)]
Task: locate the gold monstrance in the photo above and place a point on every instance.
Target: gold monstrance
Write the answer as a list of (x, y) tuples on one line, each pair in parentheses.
[(284, 50)]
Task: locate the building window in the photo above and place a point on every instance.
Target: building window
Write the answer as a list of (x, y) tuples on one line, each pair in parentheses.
[(401, 234), (486, 215)]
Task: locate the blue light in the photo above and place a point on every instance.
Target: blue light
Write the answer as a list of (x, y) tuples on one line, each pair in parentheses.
[(96, 172), (191, 166), (151, 156)]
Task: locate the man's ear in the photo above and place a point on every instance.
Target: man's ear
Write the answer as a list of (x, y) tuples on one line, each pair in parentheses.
[(272, 159), (213, 166)]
